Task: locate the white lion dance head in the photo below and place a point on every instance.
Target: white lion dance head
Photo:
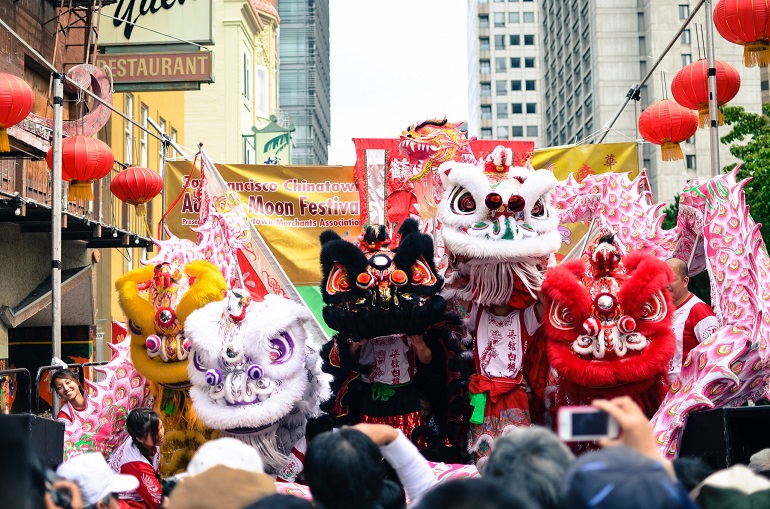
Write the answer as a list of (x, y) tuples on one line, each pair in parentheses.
[(253, 374), (497, 219)]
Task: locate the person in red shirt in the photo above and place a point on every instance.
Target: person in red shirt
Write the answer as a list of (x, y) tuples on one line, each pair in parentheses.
[(139, 455), (694, 321)]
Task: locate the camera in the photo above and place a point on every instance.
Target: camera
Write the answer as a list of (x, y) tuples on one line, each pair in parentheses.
[(585, 423), (61, 497)]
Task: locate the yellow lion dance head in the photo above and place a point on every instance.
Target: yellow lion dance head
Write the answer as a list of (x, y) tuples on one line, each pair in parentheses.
[(157, 299)]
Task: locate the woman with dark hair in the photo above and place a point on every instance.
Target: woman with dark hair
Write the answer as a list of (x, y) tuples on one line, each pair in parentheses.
[(139, 455), (66, 384)]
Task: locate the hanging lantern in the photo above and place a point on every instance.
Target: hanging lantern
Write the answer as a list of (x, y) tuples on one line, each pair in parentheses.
[(83, 160), (16, 101), (690, 87), (136, 186), (746, 22), (665, 123)]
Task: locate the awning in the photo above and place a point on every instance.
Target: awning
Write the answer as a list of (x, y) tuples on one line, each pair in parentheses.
[(77, 303)]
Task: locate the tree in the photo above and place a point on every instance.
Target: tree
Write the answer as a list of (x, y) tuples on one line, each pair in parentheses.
[(749, 141)]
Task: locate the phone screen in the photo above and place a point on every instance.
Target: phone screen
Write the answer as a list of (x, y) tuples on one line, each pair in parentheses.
[(590, 424)]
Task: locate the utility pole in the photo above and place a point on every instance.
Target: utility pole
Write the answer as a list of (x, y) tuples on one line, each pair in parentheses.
[(712, 85), (56, 213)]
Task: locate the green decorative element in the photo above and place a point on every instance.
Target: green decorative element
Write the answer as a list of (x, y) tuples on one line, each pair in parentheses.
[(478, 402), (167, 404), (508, 234), (382, 392)]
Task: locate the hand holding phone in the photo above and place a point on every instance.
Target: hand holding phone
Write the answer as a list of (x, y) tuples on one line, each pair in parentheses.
[(585, 423)]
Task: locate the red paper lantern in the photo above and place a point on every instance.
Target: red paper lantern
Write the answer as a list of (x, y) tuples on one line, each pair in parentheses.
[(16, 101), (136, 186), (666, 123), (690, 87), (746, 22), (83, 160)]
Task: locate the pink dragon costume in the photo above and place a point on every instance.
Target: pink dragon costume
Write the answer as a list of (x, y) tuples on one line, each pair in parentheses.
[(255, 376)]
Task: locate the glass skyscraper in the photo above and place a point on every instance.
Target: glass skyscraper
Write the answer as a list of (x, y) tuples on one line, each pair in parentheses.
[(304, 77)]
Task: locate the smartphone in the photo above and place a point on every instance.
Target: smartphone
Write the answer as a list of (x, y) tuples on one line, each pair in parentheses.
[(583, 423)]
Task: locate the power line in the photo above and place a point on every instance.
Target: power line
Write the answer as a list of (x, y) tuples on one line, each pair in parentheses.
[(53, 69)]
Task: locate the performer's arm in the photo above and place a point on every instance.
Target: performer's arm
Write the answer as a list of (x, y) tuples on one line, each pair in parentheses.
[(420, 348), (412, 468), (149, 488)]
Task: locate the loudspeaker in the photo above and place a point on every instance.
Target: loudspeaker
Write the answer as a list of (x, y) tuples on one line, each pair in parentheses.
[(45, 436), (726, 436)]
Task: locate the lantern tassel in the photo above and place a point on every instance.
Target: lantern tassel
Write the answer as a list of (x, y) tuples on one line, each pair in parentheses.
[(80, 190), (671, 151), (5, 144), (756, 54), (703, 117)]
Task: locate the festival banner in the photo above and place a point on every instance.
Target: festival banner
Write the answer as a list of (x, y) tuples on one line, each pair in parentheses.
[(289, 205), (581, 161)]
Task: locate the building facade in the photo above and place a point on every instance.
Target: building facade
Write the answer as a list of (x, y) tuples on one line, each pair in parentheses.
[(223, 115), (505, 74), (304, 78), (595, 51)]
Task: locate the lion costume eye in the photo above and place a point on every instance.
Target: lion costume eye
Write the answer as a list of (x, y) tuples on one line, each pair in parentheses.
[(561, 317), (538, 210), (281, 348), (654, 310), (462, 201), (338, 281)]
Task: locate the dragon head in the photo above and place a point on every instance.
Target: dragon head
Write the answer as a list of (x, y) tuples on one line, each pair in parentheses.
[(609, 320), (157, 299), (498, 218), (370, 290), (432, 142)]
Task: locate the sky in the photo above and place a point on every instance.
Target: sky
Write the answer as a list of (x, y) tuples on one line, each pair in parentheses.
[(394, 63)]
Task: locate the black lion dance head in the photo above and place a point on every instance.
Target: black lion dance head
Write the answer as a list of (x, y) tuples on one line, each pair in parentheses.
[(370, 290)]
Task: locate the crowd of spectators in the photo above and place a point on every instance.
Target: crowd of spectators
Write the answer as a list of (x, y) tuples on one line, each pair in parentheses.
[(374, 466)]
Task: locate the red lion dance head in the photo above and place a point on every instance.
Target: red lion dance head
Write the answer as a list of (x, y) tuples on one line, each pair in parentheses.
[(609, 327)]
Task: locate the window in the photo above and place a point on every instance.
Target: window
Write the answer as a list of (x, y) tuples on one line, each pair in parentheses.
[(486, 133), (532, 130), (685, 37), (686, 58), (530, 84), (515, 63), (531, 107), (173, 138), (499, 19), (502, 132), (529, 40), (483, 21), (684, 11), (517, 131), (500, 64), (690, 140), (143, 155), (513, 17), (514, 40), (500, 87), (764, 85), (502, 110), (529, 62), (261, 93), (516, 108), (246, 76), (486, 89), (484, 43), (499, 42), (162, 125), (129, 130), (515, 85), (690, 162), (485, 67), (528, 17), (486, 112)]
